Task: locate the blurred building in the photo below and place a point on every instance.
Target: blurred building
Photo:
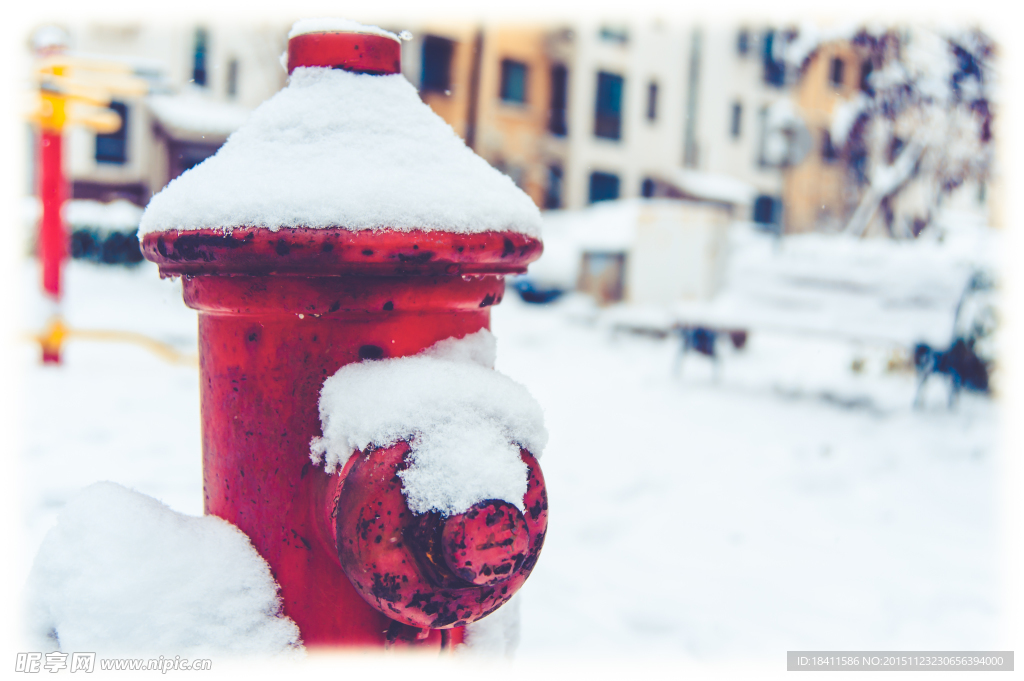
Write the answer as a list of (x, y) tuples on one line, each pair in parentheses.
[(497, 86), (589, 111), (574, 113), (819, 191), (829, 176), (203, 82)]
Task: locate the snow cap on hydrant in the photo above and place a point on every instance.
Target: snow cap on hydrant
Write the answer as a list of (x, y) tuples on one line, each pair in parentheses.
[(364, 245), (340, 147)]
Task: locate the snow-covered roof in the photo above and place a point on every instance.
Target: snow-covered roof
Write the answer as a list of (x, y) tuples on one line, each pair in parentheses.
[(604, 226), (116, 215), (334, 24), (192, 115), (714, 187), (344, 150), (810, 37), (138, 63)]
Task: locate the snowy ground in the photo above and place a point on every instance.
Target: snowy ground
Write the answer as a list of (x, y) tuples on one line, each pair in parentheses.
[(786, 504)]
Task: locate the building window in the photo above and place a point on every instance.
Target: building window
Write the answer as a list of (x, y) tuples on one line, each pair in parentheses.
[(557, 123), (603, 187), (652, 101), (513, 81), (608, 107), (614, 34), (743, 42), (865, 77), (767, 210), (835, 73), (647, 188), (199, 57), (435, 66), (895, 147), (113, 147), (232, 87), (553, 196), (829, 154), (774, 70), (736, 122)]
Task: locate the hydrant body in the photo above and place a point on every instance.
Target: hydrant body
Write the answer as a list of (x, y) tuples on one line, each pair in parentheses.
[(282, 307), (279, 312)]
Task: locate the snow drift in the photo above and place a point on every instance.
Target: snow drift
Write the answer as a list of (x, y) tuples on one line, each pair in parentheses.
[(122, 572)]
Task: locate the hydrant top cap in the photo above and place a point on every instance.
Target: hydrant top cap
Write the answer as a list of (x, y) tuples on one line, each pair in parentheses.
[(337, 25), (343, 44)]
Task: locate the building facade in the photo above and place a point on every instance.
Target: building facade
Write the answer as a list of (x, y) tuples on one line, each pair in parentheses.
[(203, 81), (574, 113)]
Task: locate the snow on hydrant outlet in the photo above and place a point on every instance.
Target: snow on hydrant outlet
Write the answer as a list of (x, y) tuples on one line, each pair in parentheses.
[(343, 249)]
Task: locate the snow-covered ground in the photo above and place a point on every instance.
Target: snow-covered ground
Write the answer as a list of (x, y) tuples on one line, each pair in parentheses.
[(787, 504)]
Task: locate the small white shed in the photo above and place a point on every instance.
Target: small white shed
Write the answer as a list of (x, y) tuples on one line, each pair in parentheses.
[(644, 251), (678, 252)]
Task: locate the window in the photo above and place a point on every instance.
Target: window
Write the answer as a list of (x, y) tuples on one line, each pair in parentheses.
[(774, 70), (513, 81), (865, 77), (608, 107), (743, 42), (895, 147), (113, 147), (232, 87), (614, 34), (829, 154), (557, 123), (553, 196), (603, 187), (435, 67), (652, 101), (767, 210), (188, 156), (736, 122), (835, 72), (762, 135), (647, 188), (199, 57)]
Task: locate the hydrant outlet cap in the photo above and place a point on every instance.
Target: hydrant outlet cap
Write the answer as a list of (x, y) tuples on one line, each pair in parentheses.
[(487, 544), (342, 44)]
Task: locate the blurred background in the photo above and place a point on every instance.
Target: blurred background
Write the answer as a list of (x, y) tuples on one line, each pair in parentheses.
[(764, 329)]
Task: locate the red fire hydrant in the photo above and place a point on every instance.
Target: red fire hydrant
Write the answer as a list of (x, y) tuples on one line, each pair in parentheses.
[(281, 308)]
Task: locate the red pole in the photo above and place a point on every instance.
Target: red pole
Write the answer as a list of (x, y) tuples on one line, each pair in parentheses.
[(52, 235), (52, 192)]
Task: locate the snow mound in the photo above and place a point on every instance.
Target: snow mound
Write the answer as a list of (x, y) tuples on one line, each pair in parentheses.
[(495, 635), (192, 113), (464, 421), (344, 150), (121, 572)]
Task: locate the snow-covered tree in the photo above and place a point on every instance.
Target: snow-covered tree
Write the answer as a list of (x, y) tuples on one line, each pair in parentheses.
[(921, 125)]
